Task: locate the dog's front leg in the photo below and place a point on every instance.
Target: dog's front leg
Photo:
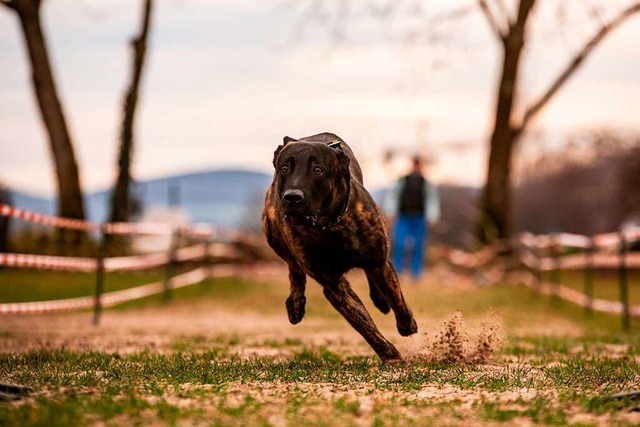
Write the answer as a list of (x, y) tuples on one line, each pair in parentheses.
[(296, 301), (345, 300), (386, 281)]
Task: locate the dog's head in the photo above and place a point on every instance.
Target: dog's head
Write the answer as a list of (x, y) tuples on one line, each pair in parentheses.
[(311, 179)]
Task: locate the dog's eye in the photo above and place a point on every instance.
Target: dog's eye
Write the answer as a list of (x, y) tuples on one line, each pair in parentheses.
[(284, 168), (318, 170)]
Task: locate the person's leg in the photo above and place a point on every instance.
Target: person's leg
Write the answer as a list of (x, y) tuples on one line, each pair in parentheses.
[(399, 237), (419, 232)]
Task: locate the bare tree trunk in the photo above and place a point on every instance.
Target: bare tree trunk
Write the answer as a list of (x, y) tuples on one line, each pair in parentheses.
[(70, 201), (495, 204), (495, 220), (5, 221), (121, 197)]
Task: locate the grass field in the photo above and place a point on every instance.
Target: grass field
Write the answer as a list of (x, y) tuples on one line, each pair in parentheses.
[(223, 353), (606, 284), (33, 285)]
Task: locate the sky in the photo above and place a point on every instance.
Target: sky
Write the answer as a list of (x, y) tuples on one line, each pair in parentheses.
[(226, 80)]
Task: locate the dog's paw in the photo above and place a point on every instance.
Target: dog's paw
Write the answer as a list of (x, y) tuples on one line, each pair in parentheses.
[(295, 308), (407, 327)]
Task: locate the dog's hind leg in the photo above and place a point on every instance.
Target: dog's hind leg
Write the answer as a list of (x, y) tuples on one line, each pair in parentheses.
[(386, 279), (345, 300), (376, 296), (296, 301)]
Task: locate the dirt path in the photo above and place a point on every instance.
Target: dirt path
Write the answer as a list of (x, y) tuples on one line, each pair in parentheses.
[(157, 327), (254, 323)]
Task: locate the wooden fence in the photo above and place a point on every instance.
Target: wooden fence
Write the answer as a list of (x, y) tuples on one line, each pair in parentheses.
[(528, 257)]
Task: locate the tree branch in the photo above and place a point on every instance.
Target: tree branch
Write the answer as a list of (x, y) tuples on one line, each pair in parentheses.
[(575, 63), (21, 5), (525, 8), (11, 4), (491, 19), (505, 12)]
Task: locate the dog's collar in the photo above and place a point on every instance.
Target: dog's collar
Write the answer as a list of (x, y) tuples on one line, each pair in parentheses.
[(343, 211), (345, 205)]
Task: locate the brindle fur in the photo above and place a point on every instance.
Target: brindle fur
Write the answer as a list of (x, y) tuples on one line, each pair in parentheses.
[(314, 242)]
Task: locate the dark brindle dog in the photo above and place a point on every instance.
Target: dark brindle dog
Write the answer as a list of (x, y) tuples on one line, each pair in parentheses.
[(322, 222)]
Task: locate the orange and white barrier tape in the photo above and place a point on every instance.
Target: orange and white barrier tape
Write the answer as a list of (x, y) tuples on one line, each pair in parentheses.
[(604, 240), (580, 261), (108, 299), (126, 263), (573, 240), (580, 299), (138, 228), (190, 253), (202, 230), (136, 262), (572, 261), (47, 306), (75, 224), (632, 234), (110, 228), (46, 262)]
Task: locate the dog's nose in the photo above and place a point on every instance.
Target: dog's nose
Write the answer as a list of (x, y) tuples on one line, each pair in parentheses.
[(293, 197)]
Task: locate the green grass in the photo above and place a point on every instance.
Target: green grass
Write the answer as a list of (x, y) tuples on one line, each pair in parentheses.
[(541, 374), (540, 410), (84, 387), (606, 283), (33, 285), (508, 302)]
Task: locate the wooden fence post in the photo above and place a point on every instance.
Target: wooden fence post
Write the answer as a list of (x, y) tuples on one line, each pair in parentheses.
[(555, 271), (588, 277), (170, 266), (624, 283), (537, 270), (101, 253), (207, 260)]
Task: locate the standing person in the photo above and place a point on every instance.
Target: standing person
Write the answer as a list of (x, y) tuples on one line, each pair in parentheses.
[(415, 203)]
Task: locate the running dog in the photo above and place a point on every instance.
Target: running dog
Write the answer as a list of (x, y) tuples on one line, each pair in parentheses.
[(322, 222)]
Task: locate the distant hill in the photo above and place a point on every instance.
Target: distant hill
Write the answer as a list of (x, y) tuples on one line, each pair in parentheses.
[(230, 198), (234, 198), (32, 203)]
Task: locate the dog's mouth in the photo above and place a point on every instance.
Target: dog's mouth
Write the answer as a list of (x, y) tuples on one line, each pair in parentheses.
[(294, 217)]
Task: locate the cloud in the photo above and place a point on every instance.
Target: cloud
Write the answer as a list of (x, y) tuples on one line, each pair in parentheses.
[(225, 83)]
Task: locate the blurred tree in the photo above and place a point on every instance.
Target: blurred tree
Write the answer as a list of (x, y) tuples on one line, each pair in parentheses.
[(5, 198), (510, 23), (122, 203), (70, 201), (629, 187), (595, 192), (511, 33)]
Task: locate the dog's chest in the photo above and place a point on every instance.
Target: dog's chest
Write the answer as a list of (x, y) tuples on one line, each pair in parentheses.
[(331, 252)]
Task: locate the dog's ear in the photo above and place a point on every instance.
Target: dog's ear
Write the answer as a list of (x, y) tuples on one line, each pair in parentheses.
[(288, 139), (344, 162), (342, 157), (285, 141)]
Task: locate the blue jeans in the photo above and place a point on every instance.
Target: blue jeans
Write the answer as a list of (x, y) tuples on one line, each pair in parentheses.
[(409, 229)]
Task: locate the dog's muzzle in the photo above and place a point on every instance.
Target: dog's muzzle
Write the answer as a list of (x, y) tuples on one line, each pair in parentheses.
[(293, 200)]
